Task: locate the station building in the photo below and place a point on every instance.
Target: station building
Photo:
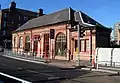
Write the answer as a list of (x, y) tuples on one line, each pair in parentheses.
[(55, 36)]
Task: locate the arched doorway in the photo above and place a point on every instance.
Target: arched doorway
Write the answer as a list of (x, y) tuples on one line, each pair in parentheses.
[(60, 45), (27, 44)]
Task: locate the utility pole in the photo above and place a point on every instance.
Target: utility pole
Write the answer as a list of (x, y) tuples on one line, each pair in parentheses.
[(78, 26), (90, 42)]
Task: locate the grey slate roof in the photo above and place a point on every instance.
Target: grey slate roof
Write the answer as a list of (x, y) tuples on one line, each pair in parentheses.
[(56, 17), (64, 15)]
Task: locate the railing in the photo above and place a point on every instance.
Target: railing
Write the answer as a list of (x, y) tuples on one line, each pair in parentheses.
[(26, 55)]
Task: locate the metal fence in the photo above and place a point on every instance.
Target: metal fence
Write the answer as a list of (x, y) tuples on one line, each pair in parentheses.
[(25, 55)]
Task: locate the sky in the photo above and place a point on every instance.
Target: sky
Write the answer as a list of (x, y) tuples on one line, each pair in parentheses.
[(106, 12)]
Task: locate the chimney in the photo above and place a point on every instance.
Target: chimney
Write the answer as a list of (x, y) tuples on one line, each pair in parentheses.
[(40, 12), (12, 5)]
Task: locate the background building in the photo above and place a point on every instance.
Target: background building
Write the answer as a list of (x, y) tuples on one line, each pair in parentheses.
[(11, 18), (117, 32)]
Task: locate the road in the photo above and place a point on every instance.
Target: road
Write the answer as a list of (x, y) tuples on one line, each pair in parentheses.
[(40, 73)]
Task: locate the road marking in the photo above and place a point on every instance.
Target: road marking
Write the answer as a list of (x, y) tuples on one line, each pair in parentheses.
[(53, 78), (46, 74), (20, 68), (15, 78), (32, 71)]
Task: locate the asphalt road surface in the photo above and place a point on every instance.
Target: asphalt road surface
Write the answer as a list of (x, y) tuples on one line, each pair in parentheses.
[(36, 72), (39, 73)]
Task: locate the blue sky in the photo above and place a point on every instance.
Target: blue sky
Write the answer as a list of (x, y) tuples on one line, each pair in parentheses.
[(106, 12)]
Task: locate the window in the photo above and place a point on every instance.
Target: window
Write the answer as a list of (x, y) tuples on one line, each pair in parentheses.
[(18, 25), (25, 18), (14, 42), (76, 45), (4, 32), (20, 42), (5, 15), (76, 41), (4, 24), (87, 45), (82, 45), (27, 43), (61, 44), (19, 17)]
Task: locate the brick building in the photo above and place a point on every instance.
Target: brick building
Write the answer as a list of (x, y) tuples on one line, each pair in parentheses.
[(55, 35), (11, 18)]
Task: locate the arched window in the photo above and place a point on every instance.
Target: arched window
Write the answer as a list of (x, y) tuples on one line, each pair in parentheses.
[(27, 43), (60, 45), (21, 42)]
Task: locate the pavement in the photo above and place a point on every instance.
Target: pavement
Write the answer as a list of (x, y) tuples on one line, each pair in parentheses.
[(63, 64), (57, 63)]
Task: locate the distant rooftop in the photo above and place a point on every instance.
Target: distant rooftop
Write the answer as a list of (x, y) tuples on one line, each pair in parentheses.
[(23, 12)]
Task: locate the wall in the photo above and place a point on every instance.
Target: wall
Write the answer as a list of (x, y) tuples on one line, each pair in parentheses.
[(102, 34), (84, 55), (41, 31)]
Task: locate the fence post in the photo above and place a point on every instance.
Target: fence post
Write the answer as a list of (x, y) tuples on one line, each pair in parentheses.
[(111, 58), (97, 58)]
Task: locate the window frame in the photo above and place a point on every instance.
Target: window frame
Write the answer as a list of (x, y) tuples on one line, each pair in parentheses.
[(14, 42), (61, 44), (21, 42), (27, 43), (25, 18)]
